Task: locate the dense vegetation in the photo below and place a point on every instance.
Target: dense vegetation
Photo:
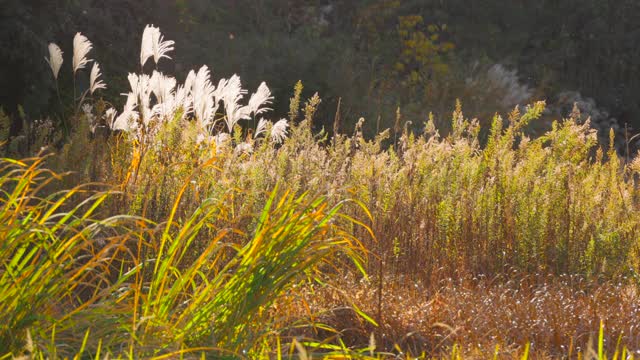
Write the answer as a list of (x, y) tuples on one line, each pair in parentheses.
[(181, 222), (374, 54)]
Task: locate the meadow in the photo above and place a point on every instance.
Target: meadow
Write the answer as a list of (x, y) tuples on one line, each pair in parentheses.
[(185, 224)]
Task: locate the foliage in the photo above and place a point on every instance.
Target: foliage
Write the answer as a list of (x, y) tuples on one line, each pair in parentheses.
[(145, 288), (345, 49), (469, 197), (440, 207), (422, 53), (216, 225), (55, 257)]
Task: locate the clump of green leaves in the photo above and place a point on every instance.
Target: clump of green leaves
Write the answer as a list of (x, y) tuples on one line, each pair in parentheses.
[(148, 288)]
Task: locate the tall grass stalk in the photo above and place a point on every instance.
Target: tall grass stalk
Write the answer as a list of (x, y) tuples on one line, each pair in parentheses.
[(52, 265)]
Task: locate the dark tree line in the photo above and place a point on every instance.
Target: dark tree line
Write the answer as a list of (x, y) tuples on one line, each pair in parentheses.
[(340, 48)]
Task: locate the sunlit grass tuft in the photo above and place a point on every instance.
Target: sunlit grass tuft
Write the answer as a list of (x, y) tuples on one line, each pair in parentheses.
[(56, 258), (132, 286)]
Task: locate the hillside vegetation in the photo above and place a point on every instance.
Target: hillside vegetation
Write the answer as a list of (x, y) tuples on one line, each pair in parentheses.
[(185, 223)]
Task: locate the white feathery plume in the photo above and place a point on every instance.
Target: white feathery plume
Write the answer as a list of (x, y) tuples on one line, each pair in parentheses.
[(262, 126), (140, 87), (233, 90), (231, 95), (133, 82), (162, 86), (153, 44), (95, 74), (199, 83), (205, 104), (182, 100), (132, 100), (185, 97), (188, 82), (81, 47), (258, 99), (222, 84), (163, 110), (146, 48), (279, 131), (154, 80), (110, 116), (55, 59), (127, 120), (218, 92), (160, 47), (137, 84)]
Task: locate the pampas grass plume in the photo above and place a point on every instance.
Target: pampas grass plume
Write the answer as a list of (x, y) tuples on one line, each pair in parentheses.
[(153, 45), (94, 83), (260, 98), (81, 47), (262, 126), (279, 131), (55, 59)]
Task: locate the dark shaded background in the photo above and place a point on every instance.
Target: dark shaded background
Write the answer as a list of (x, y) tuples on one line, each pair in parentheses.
[(340, 48)]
